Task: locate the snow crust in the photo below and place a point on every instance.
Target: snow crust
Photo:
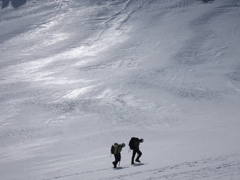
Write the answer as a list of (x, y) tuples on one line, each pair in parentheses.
[(78, 75)]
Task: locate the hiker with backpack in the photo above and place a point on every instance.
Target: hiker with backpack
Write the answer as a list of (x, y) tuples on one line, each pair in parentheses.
[(134, 146), (116, 151)]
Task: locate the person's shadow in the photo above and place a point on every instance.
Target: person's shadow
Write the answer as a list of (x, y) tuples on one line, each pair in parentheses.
[(14, 3)]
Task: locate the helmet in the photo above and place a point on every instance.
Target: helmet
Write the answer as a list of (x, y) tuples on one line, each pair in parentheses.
[(123, 144), (141, 140)]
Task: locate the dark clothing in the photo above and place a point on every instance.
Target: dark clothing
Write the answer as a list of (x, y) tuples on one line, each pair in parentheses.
[(139, 154), (135, 142), (116, 151), (117, 159), (134, 146)]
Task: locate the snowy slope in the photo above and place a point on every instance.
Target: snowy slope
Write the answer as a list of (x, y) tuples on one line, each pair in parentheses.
[(79, 75)]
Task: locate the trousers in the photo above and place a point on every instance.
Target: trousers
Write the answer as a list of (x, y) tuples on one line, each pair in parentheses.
[(139, 154), (117, 159)]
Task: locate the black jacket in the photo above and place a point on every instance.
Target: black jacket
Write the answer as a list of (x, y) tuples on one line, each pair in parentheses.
[(134, 143)]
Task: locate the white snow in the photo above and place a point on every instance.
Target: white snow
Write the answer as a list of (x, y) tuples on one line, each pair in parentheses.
[(78, 75)]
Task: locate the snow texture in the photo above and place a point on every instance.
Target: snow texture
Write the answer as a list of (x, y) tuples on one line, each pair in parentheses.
[(78, 75)]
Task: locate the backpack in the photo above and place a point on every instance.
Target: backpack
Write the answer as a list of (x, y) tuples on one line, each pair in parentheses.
[(132, 142), (112, 149)]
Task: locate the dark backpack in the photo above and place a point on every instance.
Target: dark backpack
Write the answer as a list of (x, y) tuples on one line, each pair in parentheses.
[(112, 149), (132, 142)]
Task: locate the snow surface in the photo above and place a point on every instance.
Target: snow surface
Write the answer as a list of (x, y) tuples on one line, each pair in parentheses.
[(78, 75)]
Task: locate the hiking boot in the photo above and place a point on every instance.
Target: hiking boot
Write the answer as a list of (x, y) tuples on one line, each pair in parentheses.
[(114, 164), (137, 160)]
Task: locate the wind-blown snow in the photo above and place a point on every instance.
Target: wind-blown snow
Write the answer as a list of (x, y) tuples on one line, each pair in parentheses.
[(78, 75)]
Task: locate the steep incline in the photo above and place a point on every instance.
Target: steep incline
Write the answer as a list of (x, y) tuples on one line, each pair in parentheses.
[(79, 75)]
